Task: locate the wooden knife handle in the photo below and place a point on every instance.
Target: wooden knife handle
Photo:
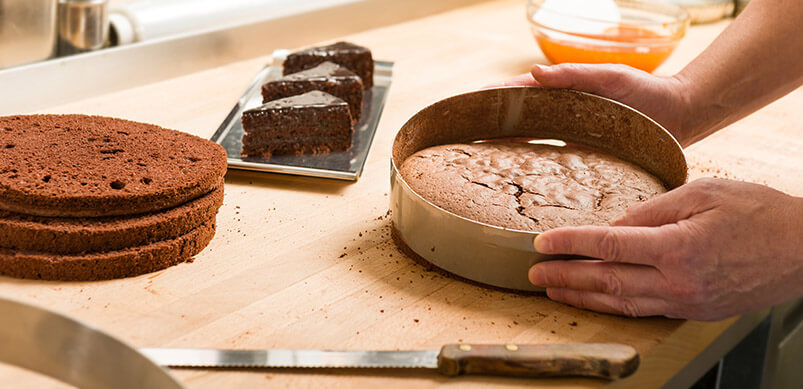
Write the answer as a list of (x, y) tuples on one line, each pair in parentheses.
[(609, 361)]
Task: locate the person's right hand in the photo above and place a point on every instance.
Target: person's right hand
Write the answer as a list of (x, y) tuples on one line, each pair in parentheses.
[(706, 250), (661, 98)]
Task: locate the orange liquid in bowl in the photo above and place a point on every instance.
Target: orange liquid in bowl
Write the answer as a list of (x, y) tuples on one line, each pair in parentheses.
[(623, 48)]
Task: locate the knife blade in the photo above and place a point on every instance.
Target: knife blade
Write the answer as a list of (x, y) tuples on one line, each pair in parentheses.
[(73, 352), (608, 361)]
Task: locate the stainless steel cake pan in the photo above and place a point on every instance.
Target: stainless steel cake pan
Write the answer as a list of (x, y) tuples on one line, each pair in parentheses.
[(496, 256)]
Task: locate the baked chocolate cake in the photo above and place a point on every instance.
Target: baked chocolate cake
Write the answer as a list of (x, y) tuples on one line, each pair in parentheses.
[(90, 198), (314, 122), (93, 166), (356, 58), (528, 187), (106, 265), (86, 235), (327, 77)]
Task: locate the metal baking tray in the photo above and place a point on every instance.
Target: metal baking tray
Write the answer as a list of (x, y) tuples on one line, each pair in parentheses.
[(496, 256), (342, 165)]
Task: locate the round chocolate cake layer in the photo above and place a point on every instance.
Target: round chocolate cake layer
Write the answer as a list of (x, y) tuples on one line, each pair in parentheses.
[(528, 187), (86, 235), (108, 265), (93, 166)]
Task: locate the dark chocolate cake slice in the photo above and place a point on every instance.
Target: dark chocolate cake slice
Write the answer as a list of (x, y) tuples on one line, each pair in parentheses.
[(327, 77), (356, 58), (312, 123)]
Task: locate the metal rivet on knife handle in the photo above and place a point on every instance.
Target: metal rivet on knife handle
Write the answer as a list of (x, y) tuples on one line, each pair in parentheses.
[(609, 361)]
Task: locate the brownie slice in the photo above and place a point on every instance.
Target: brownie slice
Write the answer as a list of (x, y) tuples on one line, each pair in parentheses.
[(328, 77), (356, 58), (312, 123)]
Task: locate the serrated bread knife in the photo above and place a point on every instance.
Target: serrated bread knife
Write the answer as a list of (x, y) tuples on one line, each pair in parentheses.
[(609, 361)]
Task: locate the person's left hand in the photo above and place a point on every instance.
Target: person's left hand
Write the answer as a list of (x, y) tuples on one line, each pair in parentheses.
[(706, 251)]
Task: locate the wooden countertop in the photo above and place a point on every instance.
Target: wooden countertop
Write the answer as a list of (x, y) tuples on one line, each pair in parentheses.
[(308, 263)]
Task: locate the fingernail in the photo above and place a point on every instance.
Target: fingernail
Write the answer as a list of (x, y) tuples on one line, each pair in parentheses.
[(538, 68), (618, 218), (542, 245), (537, 277)]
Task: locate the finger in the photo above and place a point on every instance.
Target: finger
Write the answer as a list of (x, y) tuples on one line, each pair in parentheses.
[(616, 279), (525, 79), (608, 80), (599, 302), (678, 204), (637, 245)]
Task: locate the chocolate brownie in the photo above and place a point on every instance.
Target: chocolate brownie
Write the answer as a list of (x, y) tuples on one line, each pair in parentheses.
[(327, 77), (356, 58), (314, 122), (107, 265), (93, 166), (529, 187), (79, 235)]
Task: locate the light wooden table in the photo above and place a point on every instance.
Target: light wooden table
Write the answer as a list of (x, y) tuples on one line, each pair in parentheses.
[(276, 275)]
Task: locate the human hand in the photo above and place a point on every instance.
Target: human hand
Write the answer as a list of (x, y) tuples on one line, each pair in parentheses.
[(705, 251), (661, 98)]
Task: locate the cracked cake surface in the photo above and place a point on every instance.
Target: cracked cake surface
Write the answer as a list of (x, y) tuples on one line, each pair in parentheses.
[(529, 187)]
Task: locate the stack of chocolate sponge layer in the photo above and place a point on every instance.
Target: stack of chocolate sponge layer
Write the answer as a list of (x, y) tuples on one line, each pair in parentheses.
[(93, 198)]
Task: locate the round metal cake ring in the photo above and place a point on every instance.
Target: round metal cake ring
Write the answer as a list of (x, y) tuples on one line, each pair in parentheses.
[(496, 256)]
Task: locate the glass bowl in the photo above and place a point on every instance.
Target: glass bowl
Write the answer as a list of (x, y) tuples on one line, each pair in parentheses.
[(637, 33)]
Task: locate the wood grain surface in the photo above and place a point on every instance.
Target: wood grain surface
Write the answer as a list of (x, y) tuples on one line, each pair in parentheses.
[(308, 263)]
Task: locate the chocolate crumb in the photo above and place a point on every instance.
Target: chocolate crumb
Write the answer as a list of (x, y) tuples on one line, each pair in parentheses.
[(573, 324)]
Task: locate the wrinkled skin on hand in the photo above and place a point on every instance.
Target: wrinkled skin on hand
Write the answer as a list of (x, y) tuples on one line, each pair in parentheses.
[(661, 98), (705, 251)]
